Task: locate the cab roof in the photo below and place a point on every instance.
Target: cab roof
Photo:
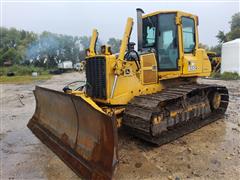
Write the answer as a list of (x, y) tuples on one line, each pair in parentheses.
[(170, 11)]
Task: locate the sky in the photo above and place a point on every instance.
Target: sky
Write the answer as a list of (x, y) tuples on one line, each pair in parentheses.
[(79, 18)]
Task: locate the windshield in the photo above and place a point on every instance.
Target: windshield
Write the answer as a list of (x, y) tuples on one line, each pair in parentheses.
[(149, 31)]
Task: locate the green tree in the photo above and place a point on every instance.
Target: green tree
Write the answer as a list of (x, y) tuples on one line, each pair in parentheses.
[(14, 43), (10, 55), (235, 22), (46, 49), (85, 41), (115, 44), (216, 48), (204, 46), (221, 37), (234, 32)]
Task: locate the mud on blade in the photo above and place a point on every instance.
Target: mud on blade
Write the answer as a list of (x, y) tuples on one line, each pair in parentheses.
[(83, 137)]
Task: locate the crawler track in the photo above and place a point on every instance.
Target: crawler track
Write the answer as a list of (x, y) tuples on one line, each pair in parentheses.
[(165, 116)]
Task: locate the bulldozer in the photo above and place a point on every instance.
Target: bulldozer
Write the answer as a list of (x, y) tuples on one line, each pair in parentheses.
[(215, 60), (152, 93)]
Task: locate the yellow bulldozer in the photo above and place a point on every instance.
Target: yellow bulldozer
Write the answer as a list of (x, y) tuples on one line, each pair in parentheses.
[(151, 93), (215, 60)]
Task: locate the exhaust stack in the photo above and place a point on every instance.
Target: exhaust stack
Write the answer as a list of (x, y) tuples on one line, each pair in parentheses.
[(139, 28)]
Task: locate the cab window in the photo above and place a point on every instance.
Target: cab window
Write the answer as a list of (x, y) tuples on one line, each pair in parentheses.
[(188, 28), (149, 31), (150, 36)]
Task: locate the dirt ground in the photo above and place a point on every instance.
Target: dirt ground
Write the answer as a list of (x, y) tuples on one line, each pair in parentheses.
[(212, 152)]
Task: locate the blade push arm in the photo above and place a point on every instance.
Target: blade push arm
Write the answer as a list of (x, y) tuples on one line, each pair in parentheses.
[(118, 70), (125, 39), (92, 48), (123, 47)]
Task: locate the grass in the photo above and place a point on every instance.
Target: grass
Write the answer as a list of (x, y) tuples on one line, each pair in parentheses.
[(23, 79), (23, 74), (226, 76), (20, 70)]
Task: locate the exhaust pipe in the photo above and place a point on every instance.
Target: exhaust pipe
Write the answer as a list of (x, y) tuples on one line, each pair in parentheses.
[(139, 28)]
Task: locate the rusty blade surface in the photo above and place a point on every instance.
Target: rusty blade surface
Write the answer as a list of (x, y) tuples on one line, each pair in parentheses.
[(84, 138)]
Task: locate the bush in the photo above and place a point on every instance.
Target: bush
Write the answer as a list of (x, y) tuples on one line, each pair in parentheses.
[(230, 76), (226, 75), (20, 70), (215, 75)]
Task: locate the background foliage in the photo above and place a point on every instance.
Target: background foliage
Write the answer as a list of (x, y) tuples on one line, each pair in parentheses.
[(44, 50), (222, 37), (47, 49)]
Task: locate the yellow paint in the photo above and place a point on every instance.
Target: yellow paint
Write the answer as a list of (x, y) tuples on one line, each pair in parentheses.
[(157, 119), (93, 43), (105, 50), (173, 113), (87, 99), (119, 122), (149, 74), (216, 100), (125, 39), (132, 82), (180, 13), (127, 86)]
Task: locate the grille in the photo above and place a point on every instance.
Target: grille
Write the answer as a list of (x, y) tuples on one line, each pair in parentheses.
[(96, 77)]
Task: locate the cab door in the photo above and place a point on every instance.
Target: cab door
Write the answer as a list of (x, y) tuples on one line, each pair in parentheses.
[(168, 54), (168, 51)]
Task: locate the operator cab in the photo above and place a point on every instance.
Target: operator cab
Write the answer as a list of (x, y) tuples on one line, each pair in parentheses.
[(162, 33)]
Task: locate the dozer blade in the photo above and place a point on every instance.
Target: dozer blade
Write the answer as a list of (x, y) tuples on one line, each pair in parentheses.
[(83, 137)]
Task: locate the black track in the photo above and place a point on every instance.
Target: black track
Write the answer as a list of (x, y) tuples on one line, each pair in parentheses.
[(138, 114)]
